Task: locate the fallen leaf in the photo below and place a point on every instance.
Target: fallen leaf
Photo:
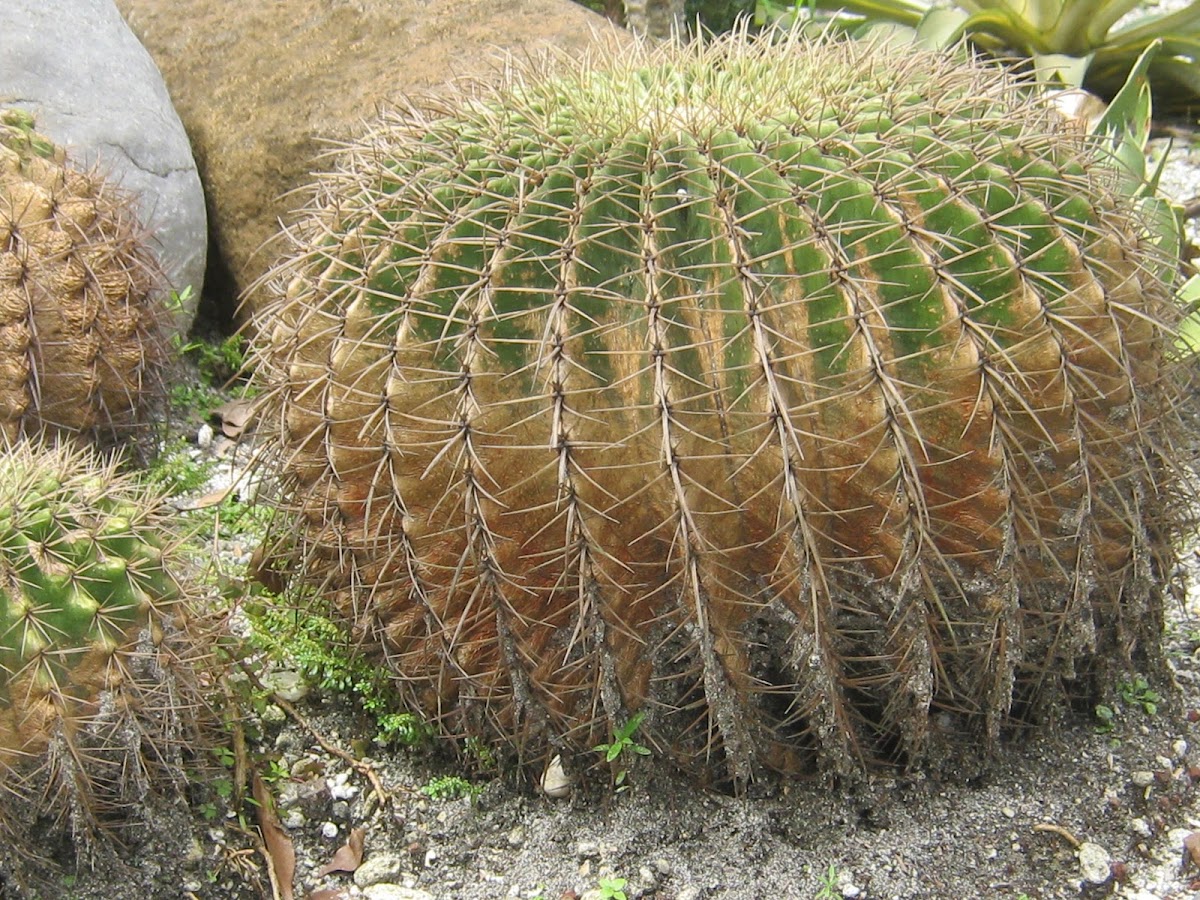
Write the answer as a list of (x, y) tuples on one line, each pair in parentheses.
[(279, 846), (329, 894), (214, 498), (1191, 849), (349, 855), (234, 417)]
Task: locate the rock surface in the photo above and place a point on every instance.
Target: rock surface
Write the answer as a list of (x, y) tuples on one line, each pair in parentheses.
[(264, 87), (91, 87)]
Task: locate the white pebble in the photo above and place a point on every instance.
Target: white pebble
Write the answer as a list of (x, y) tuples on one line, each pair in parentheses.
[(329, 831), (1095, 865), (340, 788), (556, 784), (204, 436)]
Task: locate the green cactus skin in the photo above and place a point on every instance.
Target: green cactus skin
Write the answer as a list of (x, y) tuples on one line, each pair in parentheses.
[(98, 656), (82, 327), (802, 396)]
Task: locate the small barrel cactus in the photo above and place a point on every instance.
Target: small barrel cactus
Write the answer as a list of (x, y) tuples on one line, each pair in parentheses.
[(812, 400), (82, 323), (99, 658)]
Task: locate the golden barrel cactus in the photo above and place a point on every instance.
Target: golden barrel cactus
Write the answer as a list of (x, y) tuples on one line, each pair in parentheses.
[(102, 661), (813, 399), (82, 324)]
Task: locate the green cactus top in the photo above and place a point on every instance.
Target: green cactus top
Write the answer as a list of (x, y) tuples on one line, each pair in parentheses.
[(81, 569), (17, 133)]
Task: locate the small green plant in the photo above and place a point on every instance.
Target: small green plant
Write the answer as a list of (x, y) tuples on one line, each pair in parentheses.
[(1138, 693), (829, 882), (451, 787), (176, 471), (1106, 718), (613, 888), (323, 653), (275, 772), (1134, 693), (622, 745)]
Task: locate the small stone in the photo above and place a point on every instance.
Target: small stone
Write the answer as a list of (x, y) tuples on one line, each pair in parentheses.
[(593, 894), (1142, 777), (1141, 828), (1095, 865), (294, 820), (340, 788), (1163, 763), (329, 831), (850, 891), (516, 837), (309, 765), (204, 436), (341, 810), (289, 685), (662, 867), (395, 892), (1008, 812), (556, 784), (379, 868), (1179, 748), (689, 893), (646, 876), (273, 715), (195, 851), (587, 850)]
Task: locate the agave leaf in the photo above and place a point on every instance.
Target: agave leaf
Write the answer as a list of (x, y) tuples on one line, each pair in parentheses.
[(1181, 22), (1125, 125), (1188, 337), (1101, 20), (902, 12), (1058, 70), (941, 27)]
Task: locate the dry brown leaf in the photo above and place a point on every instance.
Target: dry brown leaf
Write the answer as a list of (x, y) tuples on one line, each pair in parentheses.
[(279, 846), (329, 894), (213, 498), (234, 417), (349, 855)]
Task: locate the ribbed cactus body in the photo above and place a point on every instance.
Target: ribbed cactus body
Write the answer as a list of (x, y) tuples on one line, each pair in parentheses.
[(786, 393), (82, 340), (98, 694)]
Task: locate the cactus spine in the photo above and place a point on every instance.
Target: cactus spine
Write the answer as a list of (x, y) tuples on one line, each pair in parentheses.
[(98, 678), (794, 394), (82, 339)]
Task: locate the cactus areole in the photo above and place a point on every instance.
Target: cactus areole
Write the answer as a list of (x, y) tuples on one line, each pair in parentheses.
[(811, 398)]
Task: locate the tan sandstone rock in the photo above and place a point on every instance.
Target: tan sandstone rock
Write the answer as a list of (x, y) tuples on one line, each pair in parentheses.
[(263, 87)]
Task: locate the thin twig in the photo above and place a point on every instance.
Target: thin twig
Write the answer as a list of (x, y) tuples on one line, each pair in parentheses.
[(358, 765), (1059, 830)]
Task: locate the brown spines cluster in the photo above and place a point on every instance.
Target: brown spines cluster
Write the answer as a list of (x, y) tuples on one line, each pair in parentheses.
[(815, 403), (82, 325)]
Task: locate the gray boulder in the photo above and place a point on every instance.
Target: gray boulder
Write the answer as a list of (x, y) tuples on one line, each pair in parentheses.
[(92, 88), (266, 88)]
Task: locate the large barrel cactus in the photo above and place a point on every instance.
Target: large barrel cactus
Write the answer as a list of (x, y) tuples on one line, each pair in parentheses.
[(99, 656), (82, 324), (811, 398)]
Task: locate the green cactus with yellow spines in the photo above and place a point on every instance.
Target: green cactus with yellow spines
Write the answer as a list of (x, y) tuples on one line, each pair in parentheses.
[(794, 394), (100, 654), (83, 339)]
